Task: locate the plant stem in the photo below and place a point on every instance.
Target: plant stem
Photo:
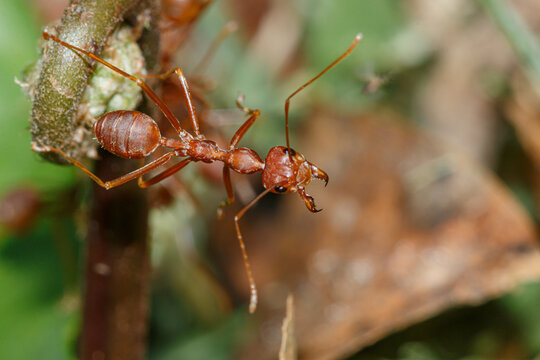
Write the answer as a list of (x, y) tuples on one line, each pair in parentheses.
[(64, 75), (117, 269), (519, 35)]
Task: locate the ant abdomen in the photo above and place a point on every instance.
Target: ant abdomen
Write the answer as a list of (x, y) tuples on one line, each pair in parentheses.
[(128, 134)]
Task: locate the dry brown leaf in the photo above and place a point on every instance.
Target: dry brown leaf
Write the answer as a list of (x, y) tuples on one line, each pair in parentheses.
[(408, 230)]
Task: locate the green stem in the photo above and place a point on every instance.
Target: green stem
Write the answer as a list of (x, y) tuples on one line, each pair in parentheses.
[(63, 78), (519, 35)]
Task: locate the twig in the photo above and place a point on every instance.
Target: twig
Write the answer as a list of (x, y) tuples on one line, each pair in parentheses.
[(64, 75), (519, 35)]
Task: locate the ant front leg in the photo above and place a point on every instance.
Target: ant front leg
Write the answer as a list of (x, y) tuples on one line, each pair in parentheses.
[(112, 183)]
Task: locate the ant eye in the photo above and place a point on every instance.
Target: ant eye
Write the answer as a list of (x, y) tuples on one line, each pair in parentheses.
[(286, 151), (280, 189)]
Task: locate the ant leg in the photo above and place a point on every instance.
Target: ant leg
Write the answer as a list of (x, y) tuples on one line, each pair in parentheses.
[(230, 193), (254, 114), (201, 98), (228, 29), (196, 78), (253, 289), (186, 92), (234, 141), (240, 104), (184, 135), (244, 128), (165, 174), (112, 183)]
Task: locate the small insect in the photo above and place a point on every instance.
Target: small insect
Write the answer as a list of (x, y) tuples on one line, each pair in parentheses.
[(134, 135), (374, 83)]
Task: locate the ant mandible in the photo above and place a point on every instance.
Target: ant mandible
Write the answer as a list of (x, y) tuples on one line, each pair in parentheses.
[(134, 135)]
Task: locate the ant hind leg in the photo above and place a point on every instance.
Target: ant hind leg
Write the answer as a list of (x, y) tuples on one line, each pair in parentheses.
[(112, 183)]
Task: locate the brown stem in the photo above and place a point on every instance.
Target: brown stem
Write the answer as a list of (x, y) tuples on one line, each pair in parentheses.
[(117, 269)]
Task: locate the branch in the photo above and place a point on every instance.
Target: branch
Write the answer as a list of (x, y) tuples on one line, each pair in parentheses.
[(64, 75)]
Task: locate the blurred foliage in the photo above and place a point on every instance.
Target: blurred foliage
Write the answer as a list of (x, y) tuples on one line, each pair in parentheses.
[(522, 306), (39, 317), (35, 323), (21, 165), (219, 343), (519, 35), (38, 310), (484, 332)]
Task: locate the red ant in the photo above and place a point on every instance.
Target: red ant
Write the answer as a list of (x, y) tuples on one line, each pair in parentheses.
[(134, 135)]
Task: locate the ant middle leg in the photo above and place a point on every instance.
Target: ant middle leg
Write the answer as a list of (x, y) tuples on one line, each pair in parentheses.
[(254, 114)]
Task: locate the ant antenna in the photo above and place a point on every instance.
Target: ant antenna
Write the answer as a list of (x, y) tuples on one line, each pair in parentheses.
[(357, 38)]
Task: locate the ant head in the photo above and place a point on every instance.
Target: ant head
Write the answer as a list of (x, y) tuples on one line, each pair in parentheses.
[(286, 173)]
